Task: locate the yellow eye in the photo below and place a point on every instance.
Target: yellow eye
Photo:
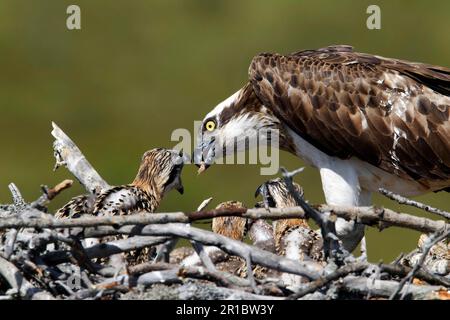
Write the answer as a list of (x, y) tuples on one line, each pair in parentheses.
[(210, 125)]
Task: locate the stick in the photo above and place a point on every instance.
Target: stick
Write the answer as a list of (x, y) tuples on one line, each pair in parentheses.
[(435, 238), (385, 288), (103, 250), (205, 291), (198, 247), (371, 216), (148, 267), (309, 269), (18, 200), (403, 271), (331, 245), (163, 250), (11, 237), (50, 194), (323, 281), (203, 255), (221, 278), (384, 218)]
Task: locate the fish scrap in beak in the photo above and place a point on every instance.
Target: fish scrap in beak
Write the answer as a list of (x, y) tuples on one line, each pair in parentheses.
[(203, 166)]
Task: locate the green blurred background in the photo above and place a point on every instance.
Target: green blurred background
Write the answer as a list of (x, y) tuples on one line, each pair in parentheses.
[(139, 69)]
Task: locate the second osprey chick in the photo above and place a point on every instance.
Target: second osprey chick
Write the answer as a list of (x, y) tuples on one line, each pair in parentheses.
[(232, 227), (276, 195)]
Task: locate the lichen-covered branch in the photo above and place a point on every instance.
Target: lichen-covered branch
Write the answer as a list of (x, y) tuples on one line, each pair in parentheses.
[(68, 154), (371, 216)]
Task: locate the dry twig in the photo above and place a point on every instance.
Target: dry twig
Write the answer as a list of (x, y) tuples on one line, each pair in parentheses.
[(402, 200)]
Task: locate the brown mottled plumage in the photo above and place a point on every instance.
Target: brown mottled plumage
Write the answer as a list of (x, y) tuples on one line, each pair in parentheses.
[(77, 205), (235, 228), (232, 227), (159, 172), (275, 194), (437, 260), (440, 249), (390, 113), (366, 122)]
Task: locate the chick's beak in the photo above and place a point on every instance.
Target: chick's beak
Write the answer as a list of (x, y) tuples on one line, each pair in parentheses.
[(202, 167)]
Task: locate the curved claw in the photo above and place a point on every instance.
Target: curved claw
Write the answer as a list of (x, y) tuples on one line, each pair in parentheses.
[(263, 190)]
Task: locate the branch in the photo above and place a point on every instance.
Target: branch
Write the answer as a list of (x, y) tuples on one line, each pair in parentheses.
[(385, 288), (402, 200), (195, 290), (435, 238), (103, 250), (18, 282), (371, 216), (171, 276), (323, 281), (50, 194), (384, 218), (403, 271), (308, 269), (220, 277), (331, 245), (204, 256), (11, 237)]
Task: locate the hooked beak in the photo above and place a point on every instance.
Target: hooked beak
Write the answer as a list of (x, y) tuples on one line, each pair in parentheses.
[(204, 154), (263, 190), (180, 189)]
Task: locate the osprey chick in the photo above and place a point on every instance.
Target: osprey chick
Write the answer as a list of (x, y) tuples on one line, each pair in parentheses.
[(235, 228), (294, 238), (159, 172), (232, 227), (306, 242)]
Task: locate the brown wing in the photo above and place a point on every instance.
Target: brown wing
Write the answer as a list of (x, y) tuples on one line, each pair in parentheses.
[(393, 114)]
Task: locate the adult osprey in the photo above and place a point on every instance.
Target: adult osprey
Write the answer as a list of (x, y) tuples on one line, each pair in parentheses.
[(364, 121)]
